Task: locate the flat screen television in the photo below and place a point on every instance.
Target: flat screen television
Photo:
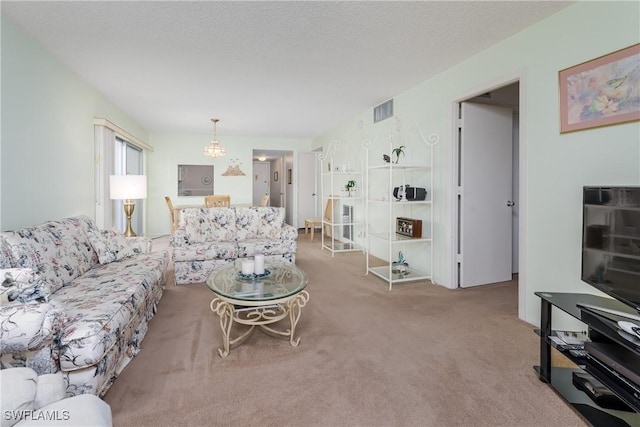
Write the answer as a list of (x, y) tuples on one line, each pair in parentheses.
[(611, 241)]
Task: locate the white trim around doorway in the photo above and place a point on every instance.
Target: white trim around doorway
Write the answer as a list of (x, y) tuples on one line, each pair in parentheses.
[(519, 76)]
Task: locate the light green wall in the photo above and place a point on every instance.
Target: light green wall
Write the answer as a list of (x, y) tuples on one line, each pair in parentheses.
[(47, 145), (170, 150), (557, 166), (47, 140), (46, 150)]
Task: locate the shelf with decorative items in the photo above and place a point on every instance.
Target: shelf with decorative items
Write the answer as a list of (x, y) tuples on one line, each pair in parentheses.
[(398, 206), (343, 200)]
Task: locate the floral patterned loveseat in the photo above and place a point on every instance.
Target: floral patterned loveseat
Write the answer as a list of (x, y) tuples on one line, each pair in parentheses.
[(76, 299), (208, 238)]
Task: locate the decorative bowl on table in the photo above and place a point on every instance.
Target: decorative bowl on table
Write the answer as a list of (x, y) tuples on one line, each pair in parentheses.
[(253, 276)]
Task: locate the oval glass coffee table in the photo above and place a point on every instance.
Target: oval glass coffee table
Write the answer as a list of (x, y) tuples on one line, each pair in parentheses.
[(258, 300)]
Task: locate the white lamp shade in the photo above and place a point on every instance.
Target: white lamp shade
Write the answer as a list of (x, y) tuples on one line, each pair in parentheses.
[(124, 187)]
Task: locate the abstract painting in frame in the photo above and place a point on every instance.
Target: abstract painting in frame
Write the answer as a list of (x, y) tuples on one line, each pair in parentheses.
[(601, 92)]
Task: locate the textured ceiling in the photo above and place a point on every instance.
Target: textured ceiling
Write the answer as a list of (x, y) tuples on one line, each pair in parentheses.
[(269, 69)]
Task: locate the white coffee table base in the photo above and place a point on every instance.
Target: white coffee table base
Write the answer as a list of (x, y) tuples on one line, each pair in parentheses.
[(258, 313)]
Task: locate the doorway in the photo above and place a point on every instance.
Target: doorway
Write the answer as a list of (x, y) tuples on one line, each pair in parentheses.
[(505, 95), (308, 201), (273, 175), (260, 181)]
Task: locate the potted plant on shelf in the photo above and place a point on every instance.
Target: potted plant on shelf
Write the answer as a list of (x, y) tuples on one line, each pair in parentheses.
[(350, 186), (397, 152)]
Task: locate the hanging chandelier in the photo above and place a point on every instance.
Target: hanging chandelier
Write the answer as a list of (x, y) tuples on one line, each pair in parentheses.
[(214, 149)]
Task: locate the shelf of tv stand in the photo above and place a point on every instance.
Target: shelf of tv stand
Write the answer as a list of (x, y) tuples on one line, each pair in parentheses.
[(560, 379), (582, 403)]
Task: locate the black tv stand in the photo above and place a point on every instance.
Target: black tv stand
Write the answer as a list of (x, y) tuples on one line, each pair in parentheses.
[(621, 405)]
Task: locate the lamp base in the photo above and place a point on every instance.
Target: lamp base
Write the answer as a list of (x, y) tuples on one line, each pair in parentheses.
[(129, 206)]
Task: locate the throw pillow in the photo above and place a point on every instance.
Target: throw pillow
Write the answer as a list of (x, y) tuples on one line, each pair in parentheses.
[(23, 285), (110, 245), (24, 383)]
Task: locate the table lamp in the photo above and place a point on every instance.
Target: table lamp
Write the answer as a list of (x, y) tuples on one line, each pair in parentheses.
[(128, 188)]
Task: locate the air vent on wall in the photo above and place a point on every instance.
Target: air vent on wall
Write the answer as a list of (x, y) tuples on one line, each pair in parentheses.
[(383, 111)]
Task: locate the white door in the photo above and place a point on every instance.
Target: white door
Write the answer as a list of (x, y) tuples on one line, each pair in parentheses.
[(485, 194), (307, 187), (260, 181)]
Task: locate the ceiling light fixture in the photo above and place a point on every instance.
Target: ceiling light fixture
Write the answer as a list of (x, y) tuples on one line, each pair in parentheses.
[(214, 149), (262, 158)]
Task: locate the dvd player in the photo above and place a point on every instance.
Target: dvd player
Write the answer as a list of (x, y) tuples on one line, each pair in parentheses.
[(617, 359)]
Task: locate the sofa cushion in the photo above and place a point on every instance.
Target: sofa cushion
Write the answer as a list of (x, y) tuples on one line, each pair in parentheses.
[(24, 384), (51, 388), (101, 304), (110, 245), (22, 285), (59, 251), (259, 222), (205, 251), (249, 248), (209, 224)]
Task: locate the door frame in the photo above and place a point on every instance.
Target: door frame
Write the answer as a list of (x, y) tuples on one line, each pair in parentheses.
[(518, 76), (299, 179)]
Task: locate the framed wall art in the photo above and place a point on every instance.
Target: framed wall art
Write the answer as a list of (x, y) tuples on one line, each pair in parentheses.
[(601, 92)]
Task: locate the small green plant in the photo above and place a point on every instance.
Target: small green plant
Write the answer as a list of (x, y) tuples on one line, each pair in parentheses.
[(350, 184), (397, 152)]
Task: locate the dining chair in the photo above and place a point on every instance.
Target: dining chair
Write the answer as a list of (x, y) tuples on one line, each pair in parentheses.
[(172, 212), (218, 201), (329, 217), (311, 224), (265, 200)]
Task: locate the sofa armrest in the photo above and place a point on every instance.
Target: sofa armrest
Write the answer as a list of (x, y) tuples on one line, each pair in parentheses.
[(140, 245), (288, 232), (28, 327), (179, 238)]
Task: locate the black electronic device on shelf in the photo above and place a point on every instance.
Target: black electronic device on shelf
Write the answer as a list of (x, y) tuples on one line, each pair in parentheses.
[(407, 192), (598, 392)]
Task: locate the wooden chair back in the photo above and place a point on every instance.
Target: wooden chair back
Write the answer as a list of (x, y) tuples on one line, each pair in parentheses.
[(218, 201), (172, 212), (265, 200), (329, 217), (328, 210)]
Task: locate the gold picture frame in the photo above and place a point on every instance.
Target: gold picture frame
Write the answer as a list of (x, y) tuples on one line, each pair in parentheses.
[(601, 92)]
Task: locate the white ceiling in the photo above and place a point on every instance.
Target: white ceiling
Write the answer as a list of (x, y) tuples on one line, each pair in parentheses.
[(293, 69)]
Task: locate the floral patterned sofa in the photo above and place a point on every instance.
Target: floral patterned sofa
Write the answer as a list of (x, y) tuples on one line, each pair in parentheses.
[(208, 238), (76, 299)]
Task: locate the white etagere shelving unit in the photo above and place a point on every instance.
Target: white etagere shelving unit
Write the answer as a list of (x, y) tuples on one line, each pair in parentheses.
[(382, 210), (342, 220)]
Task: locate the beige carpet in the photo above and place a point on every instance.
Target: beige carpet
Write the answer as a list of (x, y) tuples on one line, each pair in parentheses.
[(420, 355)]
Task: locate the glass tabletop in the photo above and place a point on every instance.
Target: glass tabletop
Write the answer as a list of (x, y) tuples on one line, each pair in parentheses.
[(282, 280)]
